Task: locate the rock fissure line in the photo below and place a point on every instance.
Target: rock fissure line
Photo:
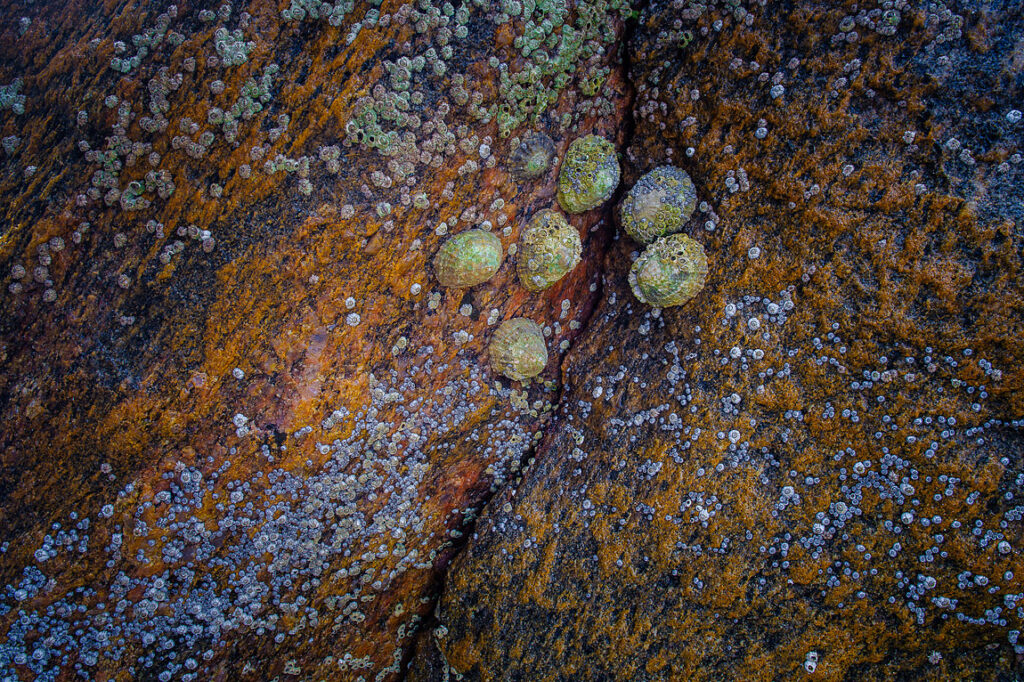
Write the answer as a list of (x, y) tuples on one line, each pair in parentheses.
[(627, 126)]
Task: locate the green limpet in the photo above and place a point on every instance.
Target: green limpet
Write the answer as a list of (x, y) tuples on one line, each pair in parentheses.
[(669, 272), (659, 203), (532, 158), (518, 350), (589, 174), (467, 259), (548, 250)]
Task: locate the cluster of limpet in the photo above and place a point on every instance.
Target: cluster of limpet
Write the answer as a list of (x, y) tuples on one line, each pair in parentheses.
[(467, 259), (548, 250), (589, 174), (549, 247), (658, 204), (518, 350), (532, 158), (669, 272)]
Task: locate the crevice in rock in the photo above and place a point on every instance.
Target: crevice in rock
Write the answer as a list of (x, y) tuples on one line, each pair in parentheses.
[(627, 126)]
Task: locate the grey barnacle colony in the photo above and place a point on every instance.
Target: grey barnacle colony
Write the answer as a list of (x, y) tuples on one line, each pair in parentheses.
[(659, 203), (589, 174), (669, 272), (548, 250), (518, 350), (532, 158), (468, 258)]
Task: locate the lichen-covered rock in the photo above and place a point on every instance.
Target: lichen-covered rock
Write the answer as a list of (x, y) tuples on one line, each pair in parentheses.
[(669, 272), (658, 204), (244, 429), (549, 249), (518, 350), (819, 462), (589, 174), (533, 157), (467, 259)]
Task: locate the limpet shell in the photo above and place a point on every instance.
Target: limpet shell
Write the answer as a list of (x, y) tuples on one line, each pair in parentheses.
[(468, 258), (669, 272), (533, 157), (518, 350), (659, 204), (589, 174), (549, 248)]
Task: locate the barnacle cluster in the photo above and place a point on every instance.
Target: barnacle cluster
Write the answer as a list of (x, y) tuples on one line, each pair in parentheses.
[(11, 97), (589, 174), (548, 250), (669, 272)]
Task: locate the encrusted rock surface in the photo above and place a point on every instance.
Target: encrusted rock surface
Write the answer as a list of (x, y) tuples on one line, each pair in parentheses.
[(243, 427), (244, 430), (818, 463)]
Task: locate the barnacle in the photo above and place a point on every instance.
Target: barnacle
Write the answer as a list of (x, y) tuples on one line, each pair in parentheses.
[(548, 250), (589, 174), (518, 350), (658, 204), (669, 272), (532, 158), (468, 258)]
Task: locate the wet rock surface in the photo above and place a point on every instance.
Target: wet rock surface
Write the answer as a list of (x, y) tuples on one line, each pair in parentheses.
[(243, 425), (816, 465), (245, 429)]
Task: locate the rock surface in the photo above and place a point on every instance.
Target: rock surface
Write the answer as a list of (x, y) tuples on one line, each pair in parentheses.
[(243, 425), (245, 430), (816, 464)]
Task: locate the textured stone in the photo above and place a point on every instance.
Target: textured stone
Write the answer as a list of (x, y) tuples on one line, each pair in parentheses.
[(821, 464), (245, 432), (240, 416)]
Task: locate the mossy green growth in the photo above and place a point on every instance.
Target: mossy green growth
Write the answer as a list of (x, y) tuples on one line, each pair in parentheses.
[(559, 43), (592, 81), (589, 174), (518, 350), (559, 52), (548, 250), (669, 272), (467, 259), (659, 204)]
